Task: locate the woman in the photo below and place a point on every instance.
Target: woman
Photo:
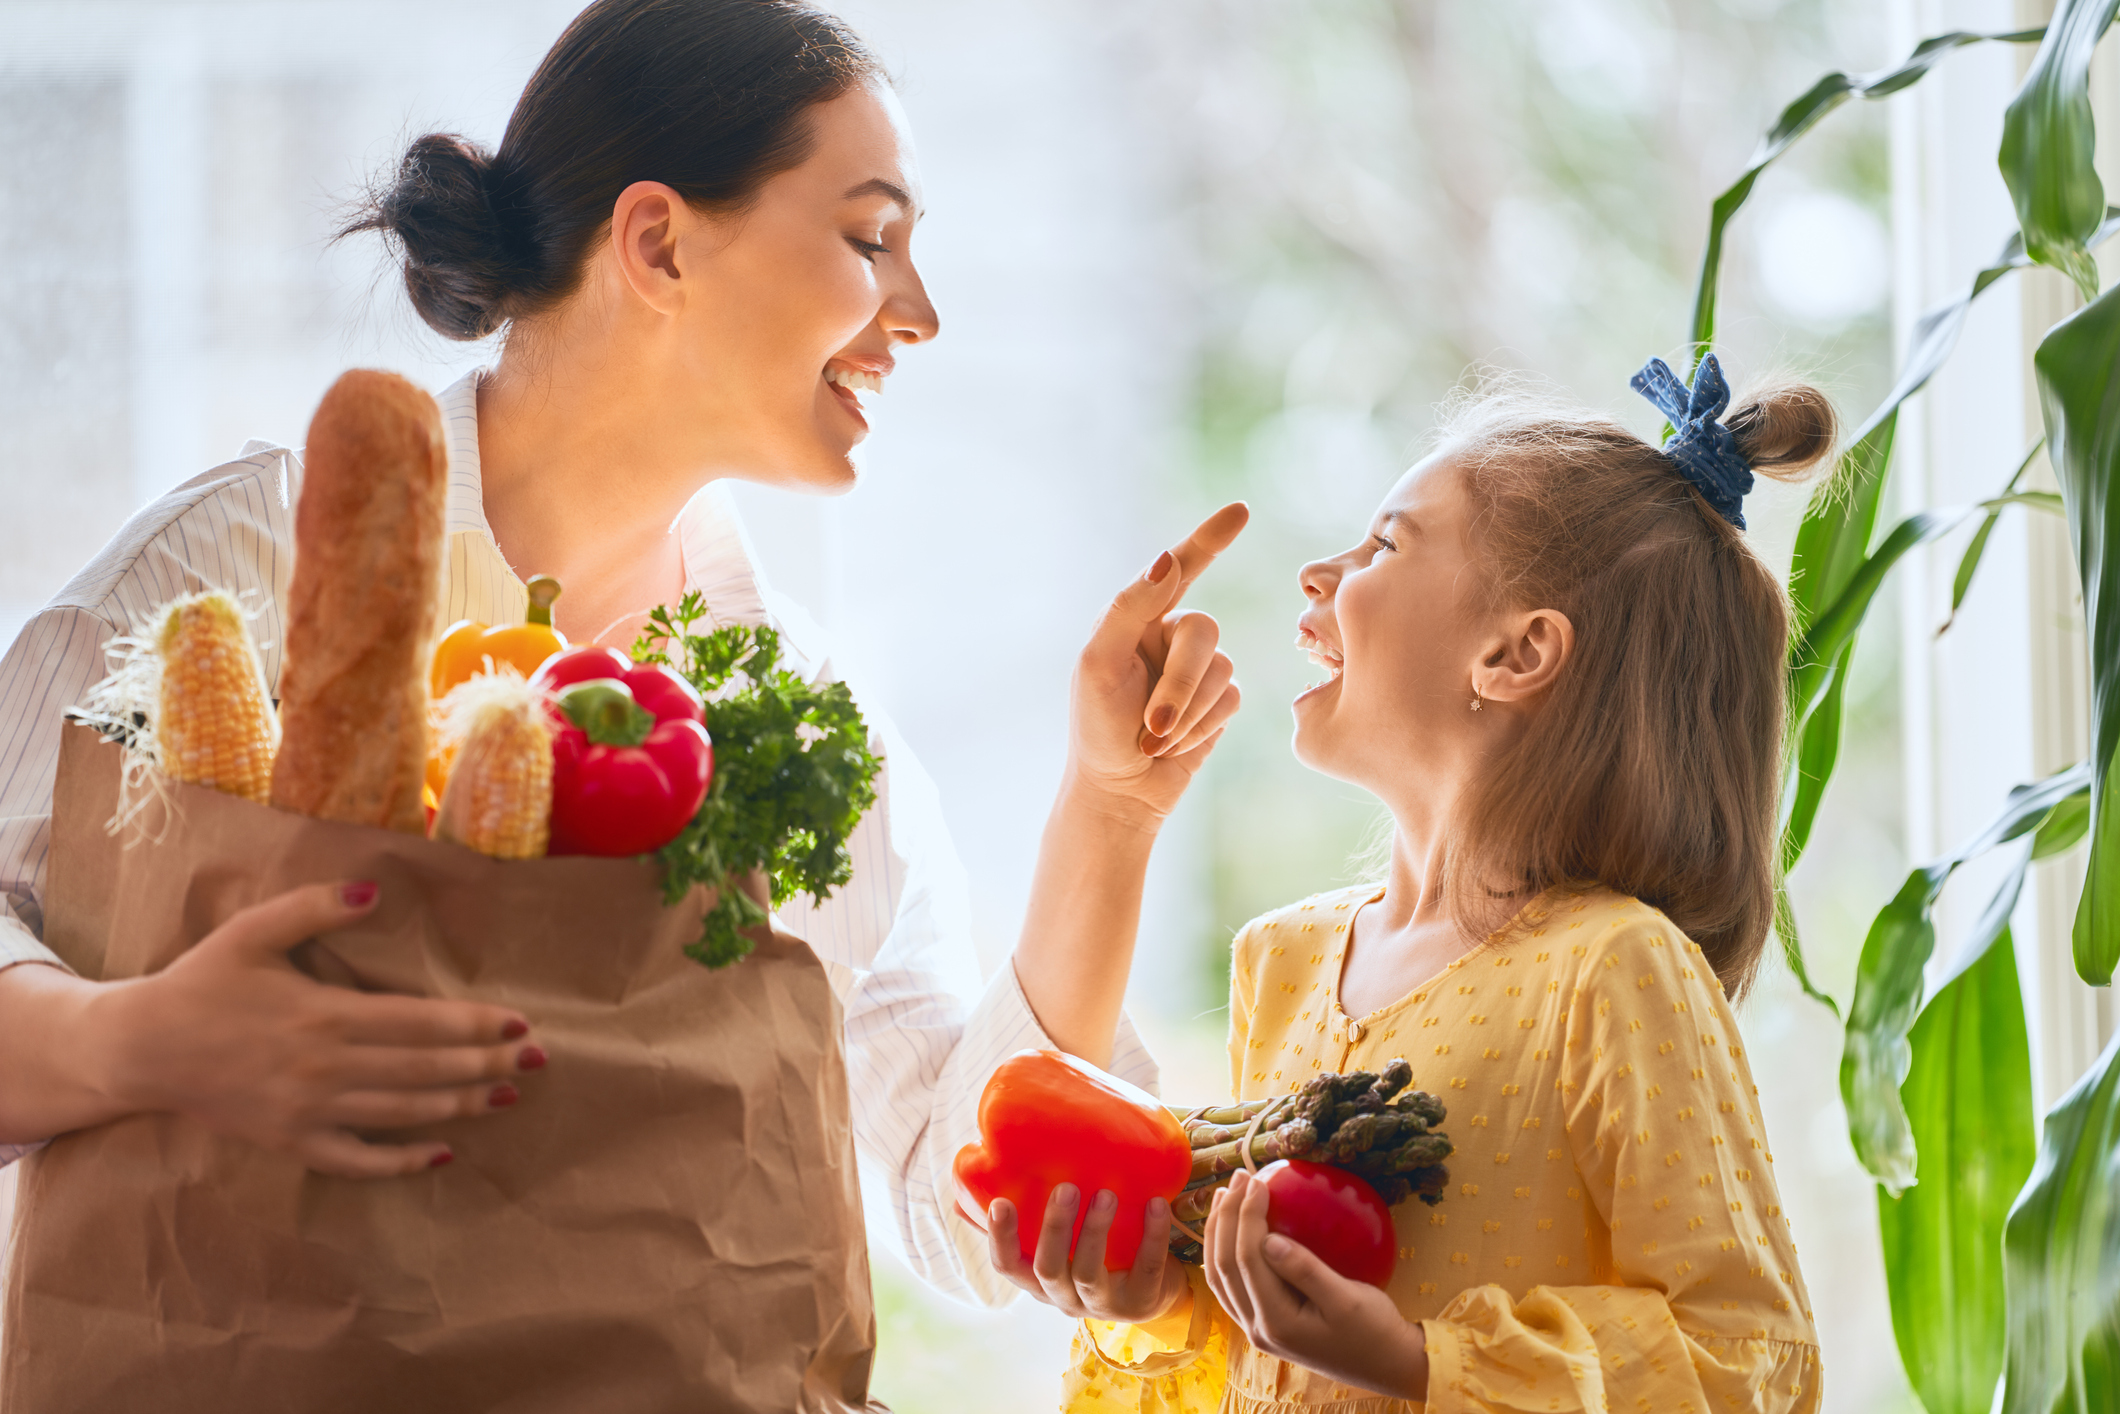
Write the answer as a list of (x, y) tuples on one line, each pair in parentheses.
[(1557, 662), (695, 233)]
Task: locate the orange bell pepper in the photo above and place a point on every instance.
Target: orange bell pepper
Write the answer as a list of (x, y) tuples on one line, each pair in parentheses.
[(469, 648)]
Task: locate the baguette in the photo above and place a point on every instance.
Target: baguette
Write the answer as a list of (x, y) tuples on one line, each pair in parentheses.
[(362, 608)]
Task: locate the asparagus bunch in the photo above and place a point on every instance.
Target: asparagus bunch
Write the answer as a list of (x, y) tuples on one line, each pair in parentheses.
[(1369, 1124)]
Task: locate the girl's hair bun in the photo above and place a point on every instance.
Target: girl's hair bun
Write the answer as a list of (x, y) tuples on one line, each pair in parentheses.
[(462, 265), (1784, 429)]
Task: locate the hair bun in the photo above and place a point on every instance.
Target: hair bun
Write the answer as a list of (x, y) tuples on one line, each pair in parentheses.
[(438, 210), (1784, 429)]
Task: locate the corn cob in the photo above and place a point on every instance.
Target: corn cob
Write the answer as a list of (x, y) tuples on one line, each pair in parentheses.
[(214, 724), (499, 797)]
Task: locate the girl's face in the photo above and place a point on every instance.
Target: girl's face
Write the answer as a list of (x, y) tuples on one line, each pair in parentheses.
[(795, 307), (1399, 624)]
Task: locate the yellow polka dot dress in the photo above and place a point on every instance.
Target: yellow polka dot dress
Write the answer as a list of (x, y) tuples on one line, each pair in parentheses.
[(1612, 1239)]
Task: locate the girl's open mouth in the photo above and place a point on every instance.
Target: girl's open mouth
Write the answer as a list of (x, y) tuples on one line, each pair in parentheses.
[(1323, 656)]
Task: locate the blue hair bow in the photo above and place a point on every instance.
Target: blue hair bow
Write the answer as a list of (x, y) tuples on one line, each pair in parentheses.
[(1704, 449)]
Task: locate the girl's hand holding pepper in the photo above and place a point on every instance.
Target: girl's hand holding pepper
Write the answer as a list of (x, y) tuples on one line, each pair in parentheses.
[(1291, 1305)]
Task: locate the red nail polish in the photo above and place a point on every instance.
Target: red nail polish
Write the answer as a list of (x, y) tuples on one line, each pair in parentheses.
[(532, 1058), (1161, 567), (502, 1096), (514, 1029), (1160, 722), (439, 1159), (358, 894)]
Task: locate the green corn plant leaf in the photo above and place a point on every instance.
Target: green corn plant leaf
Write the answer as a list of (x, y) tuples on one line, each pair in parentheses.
[(1796, 120), (1969, 562), (1792, 951), (2047, 142), (1968, 1098), (2078, 370), (1888, 987), (1831, 550), (2061, 1257), (1832, 633)]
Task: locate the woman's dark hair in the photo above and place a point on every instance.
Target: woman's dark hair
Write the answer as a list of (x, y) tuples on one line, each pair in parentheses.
[(708, 96)]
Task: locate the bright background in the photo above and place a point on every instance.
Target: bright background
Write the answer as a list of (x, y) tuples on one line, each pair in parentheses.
[(1184, 252)]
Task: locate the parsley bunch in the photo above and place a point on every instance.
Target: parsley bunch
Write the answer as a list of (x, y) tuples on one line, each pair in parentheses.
[(793, 775)]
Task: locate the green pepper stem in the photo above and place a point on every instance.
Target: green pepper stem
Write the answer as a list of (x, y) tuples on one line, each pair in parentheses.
[(605, 710), (543, 590)]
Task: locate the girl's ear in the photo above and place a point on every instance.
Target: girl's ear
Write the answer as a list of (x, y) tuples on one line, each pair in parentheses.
[(1523, 664), (647, 223)]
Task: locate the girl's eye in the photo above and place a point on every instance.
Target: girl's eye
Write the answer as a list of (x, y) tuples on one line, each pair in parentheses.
[(869, 249), (1382, 543)]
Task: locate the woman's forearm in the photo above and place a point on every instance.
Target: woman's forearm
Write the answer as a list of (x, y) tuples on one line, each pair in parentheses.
[(51, 1044), (1077, 945)]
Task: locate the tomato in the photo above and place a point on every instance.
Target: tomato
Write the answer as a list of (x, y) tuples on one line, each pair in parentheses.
[(1335, 1214), (1046, 1119)]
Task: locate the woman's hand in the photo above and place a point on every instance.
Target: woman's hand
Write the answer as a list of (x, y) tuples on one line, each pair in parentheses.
[(1291, 1305), (233, 1036), (1151, 692), (1152, 1289)]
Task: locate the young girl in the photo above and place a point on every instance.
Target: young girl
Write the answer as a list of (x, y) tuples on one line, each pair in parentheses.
[(1557, 662)]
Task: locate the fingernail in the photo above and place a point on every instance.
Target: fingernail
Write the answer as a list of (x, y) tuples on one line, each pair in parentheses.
[(439, 1159), (502, 1096), (1160, 568), (1105, 1201), (358, 894), (1159, 721), (514, 1029), (531, 1058), (1158, 1206), (1277, 1245), (1068, 1195)]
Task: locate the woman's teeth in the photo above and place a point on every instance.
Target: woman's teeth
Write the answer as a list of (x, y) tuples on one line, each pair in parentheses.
[(854, 380)]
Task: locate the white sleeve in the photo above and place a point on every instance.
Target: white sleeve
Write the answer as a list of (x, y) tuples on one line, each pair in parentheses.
[(922, 1033), (49, 667)]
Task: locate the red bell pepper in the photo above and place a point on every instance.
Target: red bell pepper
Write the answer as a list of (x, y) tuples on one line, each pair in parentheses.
[(631, 759), (1047, 1119)]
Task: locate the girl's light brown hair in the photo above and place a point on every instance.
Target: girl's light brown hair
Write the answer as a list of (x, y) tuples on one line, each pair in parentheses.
[(1652, 765)]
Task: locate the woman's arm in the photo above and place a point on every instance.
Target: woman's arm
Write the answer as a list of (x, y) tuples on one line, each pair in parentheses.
[(233, 1036), (1151, 696)]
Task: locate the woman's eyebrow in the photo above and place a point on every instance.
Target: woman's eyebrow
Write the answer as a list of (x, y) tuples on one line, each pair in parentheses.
[(877, 186)]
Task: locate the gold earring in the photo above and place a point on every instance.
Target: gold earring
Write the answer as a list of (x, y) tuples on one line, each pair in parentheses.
[(1477, 700)]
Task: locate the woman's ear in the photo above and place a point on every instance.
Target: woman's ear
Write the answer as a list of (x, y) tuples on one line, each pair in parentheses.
[(647, 222), (1525, 663)]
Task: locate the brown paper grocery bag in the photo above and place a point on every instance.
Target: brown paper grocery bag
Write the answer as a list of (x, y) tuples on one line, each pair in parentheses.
[(669, 1220)]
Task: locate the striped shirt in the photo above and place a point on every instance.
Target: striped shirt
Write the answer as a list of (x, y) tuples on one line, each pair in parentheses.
[(922, 1032)]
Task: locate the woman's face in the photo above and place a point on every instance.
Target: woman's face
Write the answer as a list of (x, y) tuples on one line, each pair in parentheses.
[(1398, 624), (803, 299)]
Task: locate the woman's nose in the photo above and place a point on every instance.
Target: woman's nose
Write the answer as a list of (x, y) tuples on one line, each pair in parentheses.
[(908, 315)]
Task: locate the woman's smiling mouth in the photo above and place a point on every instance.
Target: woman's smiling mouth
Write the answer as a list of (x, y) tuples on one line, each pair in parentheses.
[(846, 381)]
